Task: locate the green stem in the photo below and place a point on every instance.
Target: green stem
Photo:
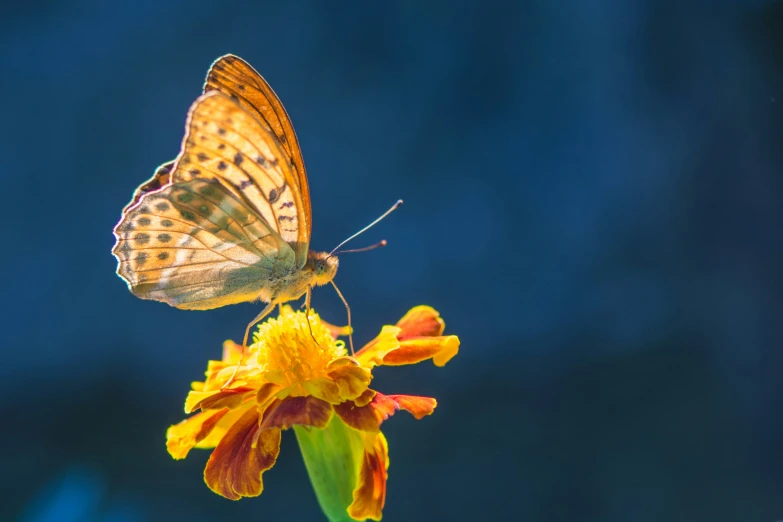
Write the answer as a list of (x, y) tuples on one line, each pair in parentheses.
[(332, 456)]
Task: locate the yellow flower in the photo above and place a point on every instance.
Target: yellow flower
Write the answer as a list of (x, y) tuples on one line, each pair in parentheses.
[(299, 375)]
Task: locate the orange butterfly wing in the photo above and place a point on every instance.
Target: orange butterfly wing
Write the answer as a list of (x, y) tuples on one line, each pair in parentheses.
[(238, 198), (159, 179), (197, 245), (225, 142), (236, 78), (221, 223)]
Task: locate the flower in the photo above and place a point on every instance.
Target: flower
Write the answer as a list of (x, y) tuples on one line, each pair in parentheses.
[(297, 374)]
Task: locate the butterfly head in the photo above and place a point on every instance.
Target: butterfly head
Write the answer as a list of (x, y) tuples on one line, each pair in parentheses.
[(323, 265)]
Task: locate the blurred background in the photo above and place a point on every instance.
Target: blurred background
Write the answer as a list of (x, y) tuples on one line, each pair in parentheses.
[(593, 201)]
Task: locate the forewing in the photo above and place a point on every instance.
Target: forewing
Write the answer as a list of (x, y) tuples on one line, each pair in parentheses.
[(224, 142), (235, 77), (195, 245)]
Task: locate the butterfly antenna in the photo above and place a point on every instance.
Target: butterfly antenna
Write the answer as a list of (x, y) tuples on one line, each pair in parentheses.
[(365, 229), (379, 244)]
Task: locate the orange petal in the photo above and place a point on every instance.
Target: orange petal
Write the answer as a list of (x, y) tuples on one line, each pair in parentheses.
[(266, 392), (234, 469), (352, 380), (306, 411), (374, 352), (369, 417), (418, 349), (230, 398), (365, 398), (370, 492), (421, 321), (182, 437), (416, 406)]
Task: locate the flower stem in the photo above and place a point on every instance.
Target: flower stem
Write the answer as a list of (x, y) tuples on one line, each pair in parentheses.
[(332, 456)]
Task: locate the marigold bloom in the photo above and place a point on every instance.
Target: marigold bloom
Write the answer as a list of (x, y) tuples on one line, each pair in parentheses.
[(294, 378)]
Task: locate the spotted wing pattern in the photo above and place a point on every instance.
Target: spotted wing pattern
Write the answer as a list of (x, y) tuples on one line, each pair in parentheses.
[(159, 179), (195, 245), (236, 78), (224, 142)]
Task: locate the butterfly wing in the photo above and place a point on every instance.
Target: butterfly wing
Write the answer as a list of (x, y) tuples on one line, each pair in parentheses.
[(224, 142), (195, 245), (159, 179), (239, 80)]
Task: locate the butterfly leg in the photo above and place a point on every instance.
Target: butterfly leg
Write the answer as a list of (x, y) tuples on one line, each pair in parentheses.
[(348, 309), (267, 309), (307, 314)]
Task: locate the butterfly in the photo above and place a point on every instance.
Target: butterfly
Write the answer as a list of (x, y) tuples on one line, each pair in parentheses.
[(229, 220)]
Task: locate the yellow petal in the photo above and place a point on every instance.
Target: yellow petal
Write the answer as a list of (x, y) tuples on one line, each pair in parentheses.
[(449, 349), (352, 380), (182, 437), (222, 427), (324, 388), (373, 353), (230, 398)]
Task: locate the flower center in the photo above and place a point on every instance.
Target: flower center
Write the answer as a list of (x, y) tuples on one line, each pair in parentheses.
[(286, 347)]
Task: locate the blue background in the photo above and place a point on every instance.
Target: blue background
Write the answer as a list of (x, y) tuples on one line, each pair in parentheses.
[(593, 200)]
